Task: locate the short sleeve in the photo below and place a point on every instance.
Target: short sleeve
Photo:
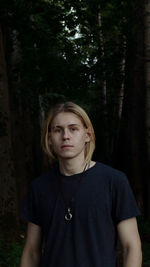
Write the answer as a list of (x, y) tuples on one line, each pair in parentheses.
[(30, 208), (124, 203)]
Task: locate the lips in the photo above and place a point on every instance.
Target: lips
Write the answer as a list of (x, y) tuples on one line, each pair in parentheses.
[(65, 146)]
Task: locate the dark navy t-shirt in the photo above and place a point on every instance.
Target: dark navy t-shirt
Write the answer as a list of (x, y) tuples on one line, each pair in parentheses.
[(104, 198)]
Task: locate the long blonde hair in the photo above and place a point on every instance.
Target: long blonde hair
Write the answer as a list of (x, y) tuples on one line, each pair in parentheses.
[(73, 108)]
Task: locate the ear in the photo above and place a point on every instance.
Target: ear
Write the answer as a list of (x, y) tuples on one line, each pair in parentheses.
[(88, 136)]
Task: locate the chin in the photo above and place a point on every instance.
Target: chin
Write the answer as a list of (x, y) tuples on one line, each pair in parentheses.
[(67, 156)]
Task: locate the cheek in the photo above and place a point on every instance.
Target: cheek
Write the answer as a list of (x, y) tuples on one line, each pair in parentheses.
[(82, 139), (52, 140)]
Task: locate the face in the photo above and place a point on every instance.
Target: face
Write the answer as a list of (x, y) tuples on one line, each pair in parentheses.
[(68, 136)]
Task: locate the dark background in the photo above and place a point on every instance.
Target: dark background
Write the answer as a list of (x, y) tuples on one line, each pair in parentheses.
[(94, 53)]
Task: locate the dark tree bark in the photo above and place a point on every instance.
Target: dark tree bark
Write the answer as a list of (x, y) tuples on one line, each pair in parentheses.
[(132, 156), (147, 98), (25, 132), (8, 192)]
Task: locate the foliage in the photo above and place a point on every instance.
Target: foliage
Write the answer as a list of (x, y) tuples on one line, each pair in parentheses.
[(144, 226), (10, 253), (54, 54), (58, 44), (144, 229), (146, 256)]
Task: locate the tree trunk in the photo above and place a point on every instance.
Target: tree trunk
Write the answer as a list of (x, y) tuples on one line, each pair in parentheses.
[(132, 156), (8, 196), (22, 127), (117, 114), (102, 91), (101, 59), (147, 99)]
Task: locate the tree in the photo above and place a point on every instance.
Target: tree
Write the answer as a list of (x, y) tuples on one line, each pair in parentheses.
[(133, 154), (89, 52), (8, 193), (147, 100)]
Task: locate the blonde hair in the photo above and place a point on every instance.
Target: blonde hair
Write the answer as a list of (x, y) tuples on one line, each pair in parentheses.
[(73, 108)]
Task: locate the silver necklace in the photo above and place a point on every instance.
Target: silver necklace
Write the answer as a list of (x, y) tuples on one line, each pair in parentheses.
[(68, 204)]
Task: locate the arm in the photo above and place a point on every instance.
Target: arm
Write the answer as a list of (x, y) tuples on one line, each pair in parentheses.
[(33, 247), (130, 240)]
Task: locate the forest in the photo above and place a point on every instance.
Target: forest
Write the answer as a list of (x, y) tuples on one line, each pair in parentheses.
[(95, 53)]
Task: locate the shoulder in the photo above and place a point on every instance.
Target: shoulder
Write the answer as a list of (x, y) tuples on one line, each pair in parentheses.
[(108, 175), (44, 180), (108, 171)]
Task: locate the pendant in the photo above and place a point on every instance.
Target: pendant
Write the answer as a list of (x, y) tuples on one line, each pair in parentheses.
[(68, 215)]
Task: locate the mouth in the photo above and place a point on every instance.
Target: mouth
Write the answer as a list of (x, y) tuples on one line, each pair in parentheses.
[(66, 146)]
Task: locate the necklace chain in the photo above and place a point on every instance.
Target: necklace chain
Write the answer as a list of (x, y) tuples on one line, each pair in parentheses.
[(68, 215)]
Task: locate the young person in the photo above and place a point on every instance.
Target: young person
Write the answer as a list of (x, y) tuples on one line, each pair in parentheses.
[(78, 210)]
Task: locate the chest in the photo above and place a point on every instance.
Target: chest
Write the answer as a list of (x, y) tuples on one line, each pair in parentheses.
[(89, 200)]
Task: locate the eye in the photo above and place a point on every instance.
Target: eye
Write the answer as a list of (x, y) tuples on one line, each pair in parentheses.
[(73, 129), (57, 130)]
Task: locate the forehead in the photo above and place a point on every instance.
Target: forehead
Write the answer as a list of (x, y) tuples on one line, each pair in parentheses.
[(66, 118)]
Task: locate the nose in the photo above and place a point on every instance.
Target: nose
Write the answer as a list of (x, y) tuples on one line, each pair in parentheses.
[(66, 134)]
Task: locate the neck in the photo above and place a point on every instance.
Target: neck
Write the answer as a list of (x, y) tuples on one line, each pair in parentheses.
[(71, 166)]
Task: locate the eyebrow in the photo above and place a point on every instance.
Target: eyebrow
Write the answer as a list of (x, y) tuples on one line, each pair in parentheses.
[(60, 126)]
